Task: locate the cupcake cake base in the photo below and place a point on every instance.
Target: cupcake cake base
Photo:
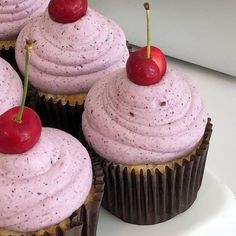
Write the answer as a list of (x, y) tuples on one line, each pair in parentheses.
[(147, 195), (7, 44)]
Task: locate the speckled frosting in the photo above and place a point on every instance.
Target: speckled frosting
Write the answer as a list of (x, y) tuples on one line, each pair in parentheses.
[(46, 184), (69, 58), (11, 89), (14, 14), (131, 124)]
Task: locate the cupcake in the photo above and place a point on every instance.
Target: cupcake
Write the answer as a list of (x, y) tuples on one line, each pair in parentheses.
[(69, 56), (11, 89), (46, 177), (56, 172), (152, 142), (149, 128), (14, 15)]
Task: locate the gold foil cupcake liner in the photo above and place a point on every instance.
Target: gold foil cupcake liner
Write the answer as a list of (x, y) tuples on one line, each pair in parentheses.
[(83, 222), (145, 196)]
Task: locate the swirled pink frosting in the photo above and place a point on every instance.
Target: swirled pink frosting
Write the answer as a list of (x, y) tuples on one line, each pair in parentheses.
[(14, 14), (131, 124), (69, 58), (11, 89), (46, 184)]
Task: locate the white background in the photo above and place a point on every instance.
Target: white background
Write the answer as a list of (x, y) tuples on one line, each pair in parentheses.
[(200, 31)]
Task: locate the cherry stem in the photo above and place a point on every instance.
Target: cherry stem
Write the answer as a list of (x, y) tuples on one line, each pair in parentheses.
[(28, 48), (147, 8)]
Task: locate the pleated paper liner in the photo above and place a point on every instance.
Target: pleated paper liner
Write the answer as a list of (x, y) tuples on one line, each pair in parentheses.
[(156, 195), (84, 221), (58, 115)]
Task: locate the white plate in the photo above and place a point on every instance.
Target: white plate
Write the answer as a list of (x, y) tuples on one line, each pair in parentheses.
[(213, 213)]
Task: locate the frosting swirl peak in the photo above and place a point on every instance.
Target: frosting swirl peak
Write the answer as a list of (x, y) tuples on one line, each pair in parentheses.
[(69, 58), (131, 124)]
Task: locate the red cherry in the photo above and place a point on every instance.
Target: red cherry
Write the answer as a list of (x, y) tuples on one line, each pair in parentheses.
[(18, 137), (158, 57), (67, 11), (148, 65), (142, 71)]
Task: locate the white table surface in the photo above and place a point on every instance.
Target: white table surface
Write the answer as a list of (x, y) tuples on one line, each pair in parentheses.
[(213, 213), (219, 93)]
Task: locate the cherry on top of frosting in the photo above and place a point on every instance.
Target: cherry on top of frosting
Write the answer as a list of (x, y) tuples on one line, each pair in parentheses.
[(146, 66), (67, 11), (19, 136), (141, 70), (20, 127)]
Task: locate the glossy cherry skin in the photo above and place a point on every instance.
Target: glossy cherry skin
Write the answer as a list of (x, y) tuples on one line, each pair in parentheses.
[(16, 138), (142, 71), (67, 11), (158, 57)]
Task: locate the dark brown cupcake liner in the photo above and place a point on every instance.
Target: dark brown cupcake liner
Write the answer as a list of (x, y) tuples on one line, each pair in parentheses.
[(56, 115), (9, 56), (84, 221), (151, 197)]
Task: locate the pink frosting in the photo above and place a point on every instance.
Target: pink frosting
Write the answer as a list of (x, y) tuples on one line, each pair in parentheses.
[(11, 89), (14, 14), (69, 58), (46, 184), (131, 124)]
